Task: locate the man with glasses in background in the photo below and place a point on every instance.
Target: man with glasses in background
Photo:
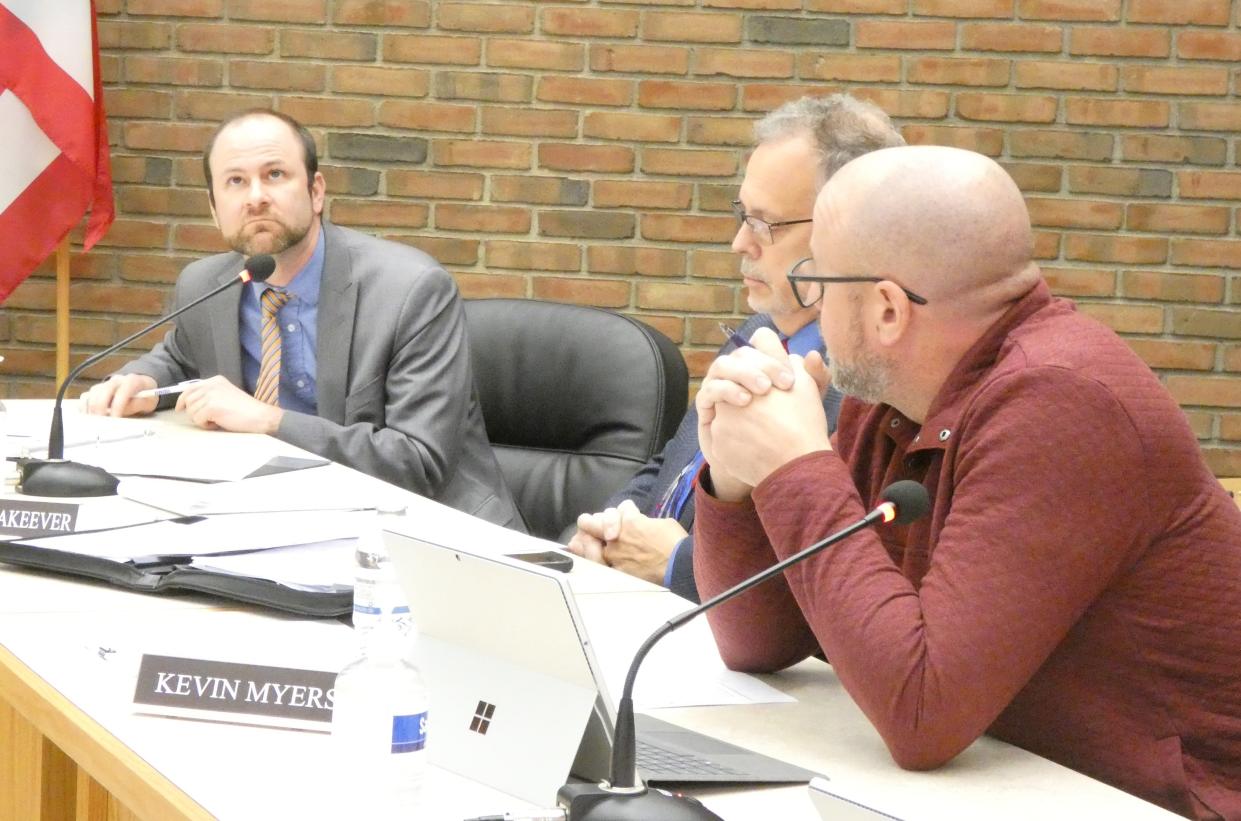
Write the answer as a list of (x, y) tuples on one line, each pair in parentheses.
[(646, 529), (1076, 587)]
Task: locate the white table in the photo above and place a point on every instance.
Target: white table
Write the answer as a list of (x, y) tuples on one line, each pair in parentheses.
[(71, 747)]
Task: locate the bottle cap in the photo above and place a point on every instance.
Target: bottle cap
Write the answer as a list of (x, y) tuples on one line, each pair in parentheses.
[(390, 506)]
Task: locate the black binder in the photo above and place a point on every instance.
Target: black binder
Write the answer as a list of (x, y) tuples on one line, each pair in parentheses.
[(172, 574)]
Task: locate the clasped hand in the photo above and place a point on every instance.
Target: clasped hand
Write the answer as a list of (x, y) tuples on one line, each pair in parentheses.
[(626, 539), (758, 409)]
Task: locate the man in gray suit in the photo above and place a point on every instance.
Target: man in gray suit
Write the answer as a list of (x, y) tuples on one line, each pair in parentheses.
[(353, 349)]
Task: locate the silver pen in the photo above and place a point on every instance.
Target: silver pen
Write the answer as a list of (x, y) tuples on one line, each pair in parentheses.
[(734, 337), (167, 390)]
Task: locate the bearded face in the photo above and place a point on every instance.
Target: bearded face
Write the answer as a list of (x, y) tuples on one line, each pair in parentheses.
[(264, 201)]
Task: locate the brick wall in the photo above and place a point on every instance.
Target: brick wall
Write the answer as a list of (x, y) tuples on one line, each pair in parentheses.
[(586, 151)]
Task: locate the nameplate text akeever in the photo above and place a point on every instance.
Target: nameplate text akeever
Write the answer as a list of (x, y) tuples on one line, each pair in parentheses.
[(21, 518)]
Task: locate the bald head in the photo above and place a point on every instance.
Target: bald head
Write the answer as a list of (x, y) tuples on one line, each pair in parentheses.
[(946, 223)]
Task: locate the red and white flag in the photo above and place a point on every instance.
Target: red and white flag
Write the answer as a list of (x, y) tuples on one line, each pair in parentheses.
[(53, 137)]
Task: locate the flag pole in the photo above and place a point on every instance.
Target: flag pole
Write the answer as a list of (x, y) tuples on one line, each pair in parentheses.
[(62, 309)]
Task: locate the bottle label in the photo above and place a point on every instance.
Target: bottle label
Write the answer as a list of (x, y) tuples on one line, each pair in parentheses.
[(376, 610), (379, 602), (409, 733)]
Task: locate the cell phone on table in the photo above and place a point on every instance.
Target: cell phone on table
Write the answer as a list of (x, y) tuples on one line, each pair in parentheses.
[(551, 559)]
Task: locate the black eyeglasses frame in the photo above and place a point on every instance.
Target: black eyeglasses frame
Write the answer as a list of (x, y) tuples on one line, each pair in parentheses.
[(794, 278), (768, 232)]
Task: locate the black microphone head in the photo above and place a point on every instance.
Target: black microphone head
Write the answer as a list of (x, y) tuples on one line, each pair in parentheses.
[(911, 500), (261, 266)]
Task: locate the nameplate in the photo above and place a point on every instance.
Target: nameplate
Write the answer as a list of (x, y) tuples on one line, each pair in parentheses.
[(239, 693), (22, 518)]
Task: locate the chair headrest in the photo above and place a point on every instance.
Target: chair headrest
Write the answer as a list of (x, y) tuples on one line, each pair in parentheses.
[(574, 378)]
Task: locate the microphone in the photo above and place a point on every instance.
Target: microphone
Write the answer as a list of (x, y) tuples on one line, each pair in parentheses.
[(54, 476), (623, 800)]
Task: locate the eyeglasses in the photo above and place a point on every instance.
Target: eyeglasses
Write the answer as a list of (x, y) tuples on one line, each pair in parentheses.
[(761, 227), (808, 288)]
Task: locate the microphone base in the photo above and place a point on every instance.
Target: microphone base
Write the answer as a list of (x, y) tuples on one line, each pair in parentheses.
[(603, 802), (61, 478)]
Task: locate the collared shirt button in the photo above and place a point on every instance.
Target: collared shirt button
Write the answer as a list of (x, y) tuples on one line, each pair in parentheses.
[(301, 383), (292, 326), (944, 434), (895, 423)]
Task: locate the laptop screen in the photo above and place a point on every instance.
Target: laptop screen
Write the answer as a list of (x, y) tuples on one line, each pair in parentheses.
[(512, 680), (518, 699)]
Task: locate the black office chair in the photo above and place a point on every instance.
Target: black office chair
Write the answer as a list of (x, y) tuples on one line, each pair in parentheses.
[(575, 399)]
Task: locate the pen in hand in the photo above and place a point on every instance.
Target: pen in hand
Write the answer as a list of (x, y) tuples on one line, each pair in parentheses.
[(734, 337), (741, 342), (167, 390)]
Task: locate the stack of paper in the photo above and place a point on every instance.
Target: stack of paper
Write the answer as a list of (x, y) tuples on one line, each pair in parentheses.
[(294, 491), (319, 567), (209, 535)]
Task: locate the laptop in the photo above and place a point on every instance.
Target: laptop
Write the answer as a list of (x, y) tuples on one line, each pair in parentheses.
[(517, 698)]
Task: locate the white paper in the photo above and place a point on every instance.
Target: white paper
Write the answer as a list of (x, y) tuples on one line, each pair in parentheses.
[(592, 577), (210, 535), (216, 457), (322, 566), (131, 446), (452, 528), (683, 670), (28, 425), (290, 491), (103, 512)]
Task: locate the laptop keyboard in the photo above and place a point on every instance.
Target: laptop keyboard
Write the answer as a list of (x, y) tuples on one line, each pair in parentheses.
[(671, 764)]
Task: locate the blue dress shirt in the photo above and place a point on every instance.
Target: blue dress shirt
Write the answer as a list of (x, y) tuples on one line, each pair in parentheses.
[(805, 340), (299, 332)]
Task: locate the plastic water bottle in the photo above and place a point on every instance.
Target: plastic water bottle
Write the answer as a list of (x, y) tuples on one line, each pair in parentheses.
[(379, 715), (377, 596)]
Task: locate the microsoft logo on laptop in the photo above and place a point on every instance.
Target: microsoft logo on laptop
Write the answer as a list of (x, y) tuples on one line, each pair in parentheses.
[(482, 717)]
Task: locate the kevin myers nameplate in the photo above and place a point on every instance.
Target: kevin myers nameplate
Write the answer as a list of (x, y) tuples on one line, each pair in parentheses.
[(244, 693)]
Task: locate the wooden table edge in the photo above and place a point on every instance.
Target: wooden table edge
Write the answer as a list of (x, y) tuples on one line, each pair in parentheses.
[(131, 780)]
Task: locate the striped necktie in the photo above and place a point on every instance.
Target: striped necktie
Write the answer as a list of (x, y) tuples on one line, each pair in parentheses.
[(267, 389)]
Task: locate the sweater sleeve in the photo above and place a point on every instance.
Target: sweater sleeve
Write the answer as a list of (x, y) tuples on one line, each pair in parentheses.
[(731, 545), (1046, 505)]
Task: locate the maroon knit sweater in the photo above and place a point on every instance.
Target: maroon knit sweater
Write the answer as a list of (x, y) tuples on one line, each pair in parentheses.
[(1075, 590)]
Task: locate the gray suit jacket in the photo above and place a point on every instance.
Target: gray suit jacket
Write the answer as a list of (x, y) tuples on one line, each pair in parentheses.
[(396, 396)]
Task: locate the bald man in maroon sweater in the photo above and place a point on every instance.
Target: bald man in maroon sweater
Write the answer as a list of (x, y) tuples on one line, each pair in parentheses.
[(1076, 587)]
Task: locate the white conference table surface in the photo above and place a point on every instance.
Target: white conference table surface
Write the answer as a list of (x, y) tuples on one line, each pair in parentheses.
[(55, 627)]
